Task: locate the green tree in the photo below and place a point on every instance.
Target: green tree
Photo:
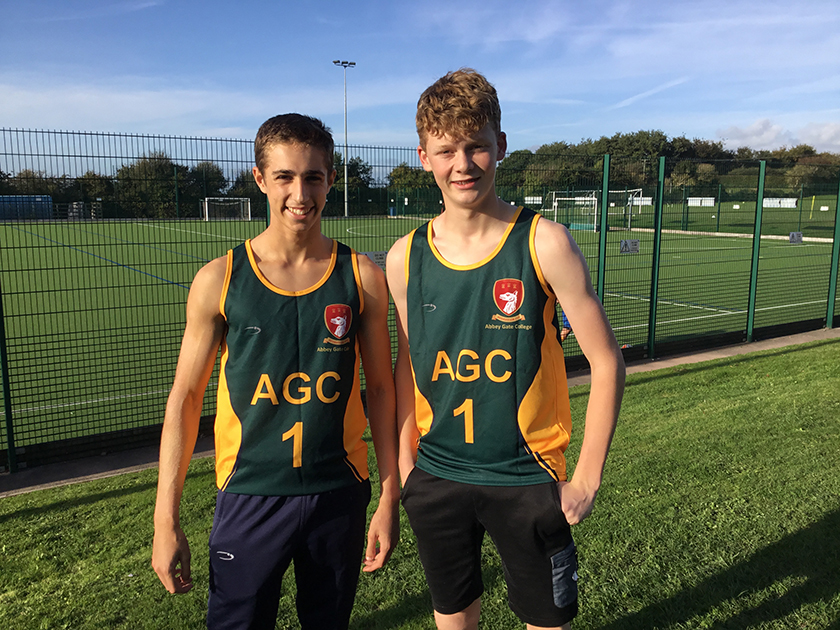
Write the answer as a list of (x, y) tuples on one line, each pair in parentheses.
[(6, 187), (153, 187), (408, 177), (93, 187), (511, 170), (245, 186), (30, 182), (359, 173), (206, 179)]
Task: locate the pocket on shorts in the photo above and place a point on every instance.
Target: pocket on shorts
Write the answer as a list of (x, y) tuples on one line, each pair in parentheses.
[(564, 576), (558, 503), (404, 491)]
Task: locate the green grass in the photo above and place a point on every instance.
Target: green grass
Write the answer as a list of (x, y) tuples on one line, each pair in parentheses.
[(720, 509)]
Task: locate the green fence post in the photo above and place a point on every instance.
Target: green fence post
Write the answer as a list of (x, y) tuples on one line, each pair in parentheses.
[(759, 209), (684, 211), (7, 392), (267, 212), (835, 262), (654, 267), (720, 192), (605, 226), (177, 205)]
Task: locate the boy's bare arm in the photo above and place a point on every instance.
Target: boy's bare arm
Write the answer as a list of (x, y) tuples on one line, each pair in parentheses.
[(375, 341), (202, 336), (565, 270), (406, 424)]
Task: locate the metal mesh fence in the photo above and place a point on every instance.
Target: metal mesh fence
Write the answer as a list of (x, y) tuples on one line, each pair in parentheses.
[(101, 235)]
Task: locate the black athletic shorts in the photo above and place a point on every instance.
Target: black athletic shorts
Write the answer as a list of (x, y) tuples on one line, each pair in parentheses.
[(530, 532), (255, 538)]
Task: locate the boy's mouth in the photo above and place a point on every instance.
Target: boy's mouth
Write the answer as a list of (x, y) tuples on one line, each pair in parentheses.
[(465, 182)]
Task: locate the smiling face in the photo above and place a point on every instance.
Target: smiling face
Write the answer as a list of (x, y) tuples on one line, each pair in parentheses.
[(465, 167), (296, 179)]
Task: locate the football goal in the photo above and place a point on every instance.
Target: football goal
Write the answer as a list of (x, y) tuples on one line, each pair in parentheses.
[(581, 209), (226, 209)]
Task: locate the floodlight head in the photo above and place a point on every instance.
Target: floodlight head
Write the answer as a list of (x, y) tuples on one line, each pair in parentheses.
[(337, 62)]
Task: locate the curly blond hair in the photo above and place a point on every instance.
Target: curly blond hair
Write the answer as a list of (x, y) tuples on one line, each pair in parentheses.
[(458, 104)]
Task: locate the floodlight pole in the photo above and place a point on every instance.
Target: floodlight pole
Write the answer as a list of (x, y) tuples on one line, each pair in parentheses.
[(345, 65)]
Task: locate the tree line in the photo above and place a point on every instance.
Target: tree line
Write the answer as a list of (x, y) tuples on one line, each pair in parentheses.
[(155, 186)]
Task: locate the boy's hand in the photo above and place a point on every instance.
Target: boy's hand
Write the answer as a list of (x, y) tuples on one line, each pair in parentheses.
[(383, 535), (171, 560), (577, 502)]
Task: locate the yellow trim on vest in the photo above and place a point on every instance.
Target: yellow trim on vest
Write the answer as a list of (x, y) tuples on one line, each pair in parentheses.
[(280, 291), (544, 418), (422, 409), (228, 429), (226, 284), (355, 424), (478, 264), (408, 253), (532, 245), (354, 257)]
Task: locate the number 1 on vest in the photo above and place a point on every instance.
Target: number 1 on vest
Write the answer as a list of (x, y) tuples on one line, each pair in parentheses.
[(467, 410), (296, 432)]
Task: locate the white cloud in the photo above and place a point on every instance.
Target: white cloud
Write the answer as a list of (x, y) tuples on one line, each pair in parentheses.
[(656, 90), (765, 134), (762, 134), (822, 136)]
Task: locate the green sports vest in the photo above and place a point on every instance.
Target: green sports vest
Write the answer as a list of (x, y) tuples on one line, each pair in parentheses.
[(289, 417), (491, 399)]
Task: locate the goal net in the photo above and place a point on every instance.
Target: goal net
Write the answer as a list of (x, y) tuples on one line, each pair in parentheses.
[(581, 209), (226, 209)]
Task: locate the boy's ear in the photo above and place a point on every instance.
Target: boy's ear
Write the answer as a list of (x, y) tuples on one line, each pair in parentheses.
[(331, 178), (424, 158), (501, 143), (258, 177)]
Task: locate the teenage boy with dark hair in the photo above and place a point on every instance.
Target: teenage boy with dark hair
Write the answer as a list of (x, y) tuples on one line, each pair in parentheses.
[(482, 399), (292, 311)]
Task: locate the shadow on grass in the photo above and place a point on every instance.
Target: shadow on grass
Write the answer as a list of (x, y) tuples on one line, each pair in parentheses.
[(411, 608), (809, 560), (414, 608), (90, 498)]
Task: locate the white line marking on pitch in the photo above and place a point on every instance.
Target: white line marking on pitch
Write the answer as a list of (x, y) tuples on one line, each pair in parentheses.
[(95, 401), (163, 227), (721, 314)]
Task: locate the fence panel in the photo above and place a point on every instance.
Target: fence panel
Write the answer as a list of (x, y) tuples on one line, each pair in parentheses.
[(795, 256)]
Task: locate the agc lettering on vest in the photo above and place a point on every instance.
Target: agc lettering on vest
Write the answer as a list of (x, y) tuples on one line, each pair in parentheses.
[(467, 367), (294, 389)]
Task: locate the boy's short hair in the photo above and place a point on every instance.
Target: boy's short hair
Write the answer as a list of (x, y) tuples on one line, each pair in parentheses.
[(458, 104), (293, 129)]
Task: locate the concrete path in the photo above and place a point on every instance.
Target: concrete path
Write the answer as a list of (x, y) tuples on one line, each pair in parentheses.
[(76, 471)]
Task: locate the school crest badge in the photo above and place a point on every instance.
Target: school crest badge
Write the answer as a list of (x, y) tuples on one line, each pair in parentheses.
[(338, 318), (508, 294)]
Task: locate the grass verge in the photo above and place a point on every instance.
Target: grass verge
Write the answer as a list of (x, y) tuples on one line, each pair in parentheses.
[(720, 509)]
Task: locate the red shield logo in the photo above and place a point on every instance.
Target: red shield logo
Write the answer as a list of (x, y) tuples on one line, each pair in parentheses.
[(508, 294), (338, 318)]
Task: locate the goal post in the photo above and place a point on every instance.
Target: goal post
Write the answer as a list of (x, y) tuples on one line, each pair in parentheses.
[(226, 209), (576, 209), (581, 209)]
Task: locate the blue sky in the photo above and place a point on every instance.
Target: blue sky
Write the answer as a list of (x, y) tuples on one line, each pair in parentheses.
[(760, 74)]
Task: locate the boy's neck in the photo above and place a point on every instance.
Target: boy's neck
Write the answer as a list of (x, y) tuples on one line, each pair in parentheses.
[(292, 262), (465, 236)]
